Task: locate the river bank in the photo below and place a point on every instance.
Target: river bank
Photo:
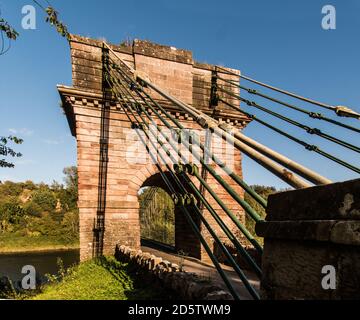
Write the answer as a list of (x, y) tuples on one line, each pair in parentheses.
[(16, 244), (43, 263), (105, 279)]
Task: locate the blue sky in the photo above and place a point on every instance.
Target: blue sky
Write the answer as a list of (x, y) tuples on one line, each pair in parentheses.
[(279, 41)]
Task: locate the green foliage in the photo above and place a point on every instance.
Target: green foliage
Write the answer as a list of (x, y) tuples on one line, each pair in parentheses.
[(44, 198), (104, 279), (31, 210), (28, 185), (157, 216), (69, 196), (9, 31), (7, 289), (27, 241), (62, 272), (45, 225), (263, 191), (6, 151), (70, 227), (11, 213), (11, 189), (52, 18), (71, 177)]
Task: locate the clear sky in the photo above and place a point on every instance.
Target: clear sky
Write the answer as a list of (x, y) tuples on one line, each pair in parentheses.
[(280, 42)]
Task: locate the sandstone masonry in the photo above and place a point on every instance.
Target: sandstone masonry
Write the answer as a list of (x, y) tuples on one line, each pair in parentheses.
[(128, 163)]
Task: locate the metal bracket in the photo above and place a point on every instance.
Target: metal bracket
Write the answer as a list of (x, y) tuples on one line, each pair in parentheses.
[(342, 111), (214, 97)]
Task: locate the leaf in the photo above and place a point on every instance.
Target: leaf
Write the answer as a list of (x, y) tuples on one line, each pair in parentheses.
[(52, 18)]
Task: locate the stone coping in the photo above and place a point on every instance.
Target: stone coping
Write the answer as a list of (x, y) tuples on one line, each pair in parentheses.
[(340, 232), (189, 286), (338, 201), (151, 49)]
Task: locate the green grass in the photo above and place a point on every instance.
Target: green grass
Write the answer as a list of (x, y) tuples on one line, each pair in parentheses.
[(12, 243), (106, 279)]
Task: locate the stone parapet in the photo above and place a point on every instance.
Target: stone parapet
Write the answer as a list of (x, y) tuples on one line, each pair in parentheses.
[(188, 286), (305, 231)]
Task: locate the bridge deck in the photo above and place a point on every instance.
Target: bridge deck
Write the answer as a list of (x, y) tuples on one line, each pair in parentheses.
[(208, 271)]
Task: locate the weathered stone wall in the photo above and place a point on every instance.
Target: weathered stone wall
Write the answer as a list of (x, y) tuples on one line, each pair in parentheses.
[(187, 286), (306, 230), (129, 166), (170, 68)]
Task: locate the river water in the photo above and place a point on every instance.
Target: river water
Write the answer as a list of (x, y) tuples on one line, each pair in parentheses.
[(44, 263)]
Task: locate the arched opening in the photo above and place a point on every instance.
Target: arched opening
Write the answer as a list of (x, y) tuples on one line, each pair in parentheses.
[(157, 216), (173, 230)]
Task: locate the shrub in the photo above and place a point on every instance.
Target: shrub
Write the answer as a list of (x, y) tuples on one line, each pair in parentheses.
[(45, 199), (31, 208)]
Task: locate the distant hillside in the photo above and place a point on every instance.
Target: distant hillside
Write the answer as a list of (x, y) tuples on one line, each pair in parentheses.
[(265, 192), (39, 213)]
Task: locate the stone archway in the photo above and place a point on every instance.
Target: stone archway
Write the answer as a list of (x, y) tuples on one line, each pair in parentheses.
[(185, 239), (157, 217)]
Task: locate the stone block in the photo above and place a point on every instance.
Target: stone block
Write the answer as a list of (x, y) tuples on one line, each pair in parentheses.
[(305, 231), (338, 201)]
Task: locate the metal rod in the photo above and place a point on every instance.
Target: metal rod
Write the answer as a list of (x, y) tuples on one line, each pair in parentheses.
[(227, 187), (303, 143), (252, 213), (313, 115), (339, 110), (224, 227), (306, 173), (191, 222), (221, 164), (207, 122), (197, 231), (282, 173), (295, 123), (223, 206)]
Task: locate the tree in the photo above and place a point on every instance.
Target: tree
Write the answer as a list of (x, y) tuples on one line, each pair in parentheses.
[(52, 17), (32, 209), (157, 215), (29, 185), (69, 196), (71, 178), (263, 191), (9, 188), (45, 199), (70, 226), (10, 33), (11, 213), (6, 151)]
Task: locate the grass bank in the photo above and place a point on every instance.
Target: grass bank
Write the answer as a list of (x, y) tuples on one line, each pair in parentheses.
[(14, 243), (106, 279)]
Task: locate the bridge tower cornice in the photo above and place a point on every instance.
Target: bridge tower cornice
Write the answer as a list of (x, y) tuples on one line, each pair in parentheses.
[(171, 68)]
